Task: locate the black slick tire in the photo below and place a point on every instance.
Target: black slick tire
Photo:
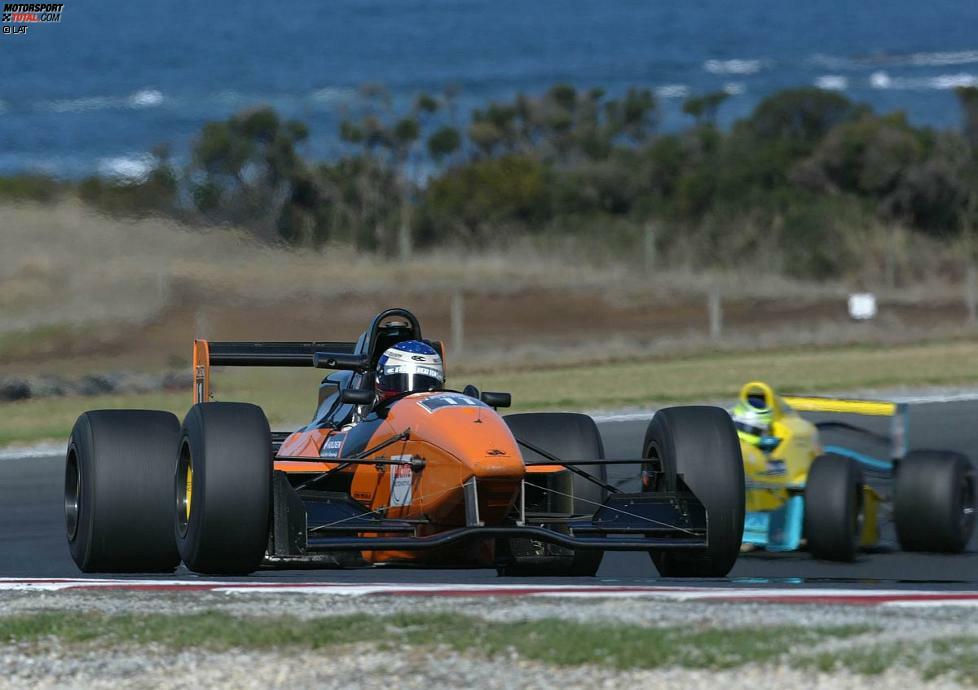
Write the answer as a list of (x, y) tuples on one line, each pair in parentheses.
[(567, 436), (700, 444), (934, 501), (222, 488), (118, 491), (833, 508)]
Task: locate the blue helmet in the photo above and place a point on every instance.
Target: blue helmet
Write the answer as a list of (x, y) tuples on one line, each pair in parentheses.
[(408, 367)]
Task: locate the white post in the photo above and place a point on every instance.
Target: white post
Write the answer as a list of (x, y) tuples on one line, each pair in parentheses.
[(404, 240), (458, 322), (404, 230), (715, 310), (971, 294), (648, 247)]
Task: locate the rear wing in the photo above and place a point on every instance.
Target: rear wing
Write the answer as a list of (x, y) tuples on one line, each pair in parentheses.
[(258, 354), (898, 412), (319, 354)]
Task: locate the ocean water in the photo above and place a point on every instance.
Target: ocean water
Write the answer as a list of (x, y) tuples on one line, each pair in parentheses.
[(96, 92)]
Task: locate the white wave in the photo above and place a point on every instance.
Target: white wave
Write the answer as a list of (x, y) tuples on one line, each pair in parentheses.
[(733, 66), (734, 88), (880, 80), (126, 168), (952, 81), (832, 82), (934, 59), (145, 98), (332, 94), (77, 105), (958, 57), (672, 91), (941, 82)]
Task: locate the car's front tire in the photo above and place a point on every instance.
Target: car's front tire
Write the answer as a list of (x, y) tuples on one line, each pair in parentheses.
[(700, 443), (568, 436), (833, 508), (222, 488)]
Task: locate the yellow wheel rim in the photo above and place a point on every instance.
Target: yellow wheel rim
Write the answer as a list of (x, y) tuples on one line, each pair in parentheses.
[(189, 491)]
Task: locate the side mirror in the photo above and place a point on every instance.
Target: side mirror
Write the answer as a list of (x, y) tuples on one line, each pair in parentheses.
[(340, 361), (768, 443), (356, 396), (496, 400)]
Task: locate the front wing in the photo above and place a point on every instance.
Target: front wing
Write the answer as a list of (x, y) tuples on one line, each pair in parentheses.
[(306, 523)]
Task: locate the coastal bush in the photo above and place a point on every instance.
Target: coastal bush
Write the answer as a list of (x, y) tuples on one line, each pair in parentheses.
[(804, 180)]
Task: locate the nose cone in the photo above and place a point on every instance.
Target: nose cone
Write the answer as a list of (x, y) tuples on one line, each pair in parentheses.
[(478, 438)]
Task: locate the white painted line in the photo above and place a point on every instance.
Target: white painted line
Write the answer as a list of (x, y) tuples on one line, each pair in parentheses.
[(935, 398), (612, 417), (826, 596), (39, 450), (932, 603)]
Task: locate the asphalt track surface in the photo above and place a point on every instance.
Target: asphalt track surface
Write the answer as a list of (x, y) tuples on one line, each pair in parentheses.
[(32, 541)]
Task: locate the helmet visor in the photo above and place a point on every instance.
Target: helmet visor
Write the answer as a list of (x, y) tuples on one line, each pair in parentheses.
[(407, 381), (751, 429)]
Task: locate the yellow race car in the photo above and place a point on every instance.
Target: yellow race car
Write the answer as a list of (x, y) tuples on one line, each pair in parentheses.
[(799, 490)]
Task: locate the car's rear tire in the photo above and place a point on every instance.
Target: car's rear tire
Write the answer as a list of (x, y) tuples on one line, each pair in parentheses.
[(570, 437), (118, 491), (833, 508), (934, 501), (700, 443), (222, 488)]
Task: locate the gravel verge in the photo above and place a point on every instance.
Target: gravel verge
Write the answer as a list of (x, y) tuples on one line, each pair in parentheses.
[(367, 667), (51, 664)]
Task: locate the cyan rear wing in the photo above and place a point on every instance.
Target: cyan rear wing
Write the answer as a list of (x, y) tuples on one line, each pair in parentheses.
[(257, 354), (898, 412)]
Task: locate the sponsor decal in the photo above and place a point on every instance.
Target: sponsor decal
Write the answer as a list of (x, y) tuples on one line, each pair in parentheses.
[(200, 376), (17, 16), (401, 479), (333, 445), (442, 401)]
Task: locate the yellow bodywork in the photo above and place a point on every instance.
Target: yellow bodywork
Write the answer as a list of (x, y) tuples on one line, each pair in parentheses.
[(772, 477)]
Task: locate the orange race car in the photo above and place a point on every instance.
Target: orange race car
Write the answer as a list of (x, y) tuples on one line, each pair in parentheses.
[(393, 469)]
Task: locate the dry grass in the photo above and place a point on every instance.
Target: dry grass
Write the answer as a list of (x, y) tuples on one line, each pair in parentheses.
[(65, 264)]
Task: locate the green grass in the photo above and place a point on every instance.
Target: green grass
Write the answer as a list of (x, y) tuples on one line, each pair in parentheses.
[(558, 642), (951, 657), (289, 395), (720, 376)]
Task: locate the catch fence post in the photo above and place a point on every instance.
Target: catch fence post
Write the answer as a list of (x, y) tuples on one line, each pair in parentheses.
[(404, 240), (971, 294), (715, 309), (458, 322), (648, 247)]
